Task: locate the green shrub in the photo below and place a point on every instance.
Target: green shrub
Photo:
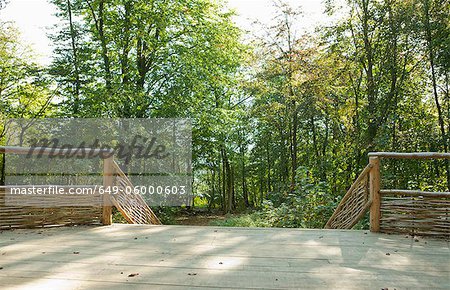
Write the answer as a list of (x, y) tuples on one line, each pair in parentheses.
[(309, 205), (254, 219)]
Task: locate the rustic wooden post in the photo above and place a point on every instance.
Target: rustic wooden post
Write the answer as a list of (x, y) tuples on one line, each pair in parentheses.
[(108, 181), (374, 189)]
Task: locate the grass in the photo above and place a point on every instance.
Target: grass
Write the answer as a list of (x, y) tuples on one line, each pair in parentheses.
[(254, 219)]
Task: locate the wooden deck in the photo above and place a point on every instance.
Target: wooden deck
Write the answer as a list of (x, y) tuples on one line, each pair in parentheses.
[(184, 257)]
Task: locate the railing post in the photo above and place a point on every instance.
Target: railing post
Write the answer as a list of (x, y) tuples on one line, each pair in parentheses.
[(108, 181), (374, 189)]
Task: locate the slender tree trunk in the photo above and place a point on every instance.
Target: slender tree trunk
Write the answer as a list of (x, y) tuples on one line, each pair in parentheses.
[(224, 184), (244, 185), (213, 189), (261, 187), (393, 91), (75, 59), (431, 56), (284, 171), (99, 25), (314, 135), (232, 189), (228, 183), (141, 62), (144, 58), (269, 167), (294, 146), (105, 55), (323, 171), (219, 185), (369, 63), (126, 44)]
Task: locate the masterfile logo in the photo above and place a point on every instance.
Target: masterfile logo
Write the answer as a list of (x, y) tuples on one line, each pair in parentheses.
[(153, 158)]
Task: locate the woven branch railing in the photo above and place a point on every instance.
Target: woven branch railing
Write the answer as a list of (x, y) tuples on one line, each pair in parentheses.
[(353, 205), (397, 211), (95, 209), (415, 212), (48, 210), (130, 203)]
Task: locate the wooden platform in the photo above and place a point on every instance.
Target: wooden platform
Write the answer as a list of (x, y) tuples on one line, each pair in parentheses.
[(184, 257)]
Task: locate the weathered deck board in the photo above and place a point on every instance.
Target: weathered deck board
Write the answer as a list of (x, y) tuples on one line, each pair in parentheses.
[(179, 257)]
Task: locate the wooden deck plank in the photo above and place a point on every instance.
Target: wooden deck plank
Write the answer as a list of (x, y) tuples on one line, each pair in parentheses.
[(244, 279), (174, 257)]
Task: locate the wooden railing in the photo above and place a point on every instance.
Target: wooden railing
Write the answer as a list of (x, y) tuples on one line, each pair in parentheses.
[(394, 210), (353, 205), (132, 207)]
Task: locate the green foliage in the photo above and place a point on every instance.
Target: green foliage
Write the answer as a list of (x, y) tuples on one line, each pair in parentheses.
[(254, 219), (138, 58), (166, 214), (309, 206), (117, 217), (24, 85)]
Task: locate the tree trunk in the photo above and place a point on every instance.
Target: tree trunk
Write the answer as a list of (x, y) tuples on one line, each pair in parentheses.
[(126, 44), (269, 168), (105, 55), (431, 56), (232, 189), (244, 186), (213, 189), (99, 25), (371, 90), (294, 146), (75, 59), (224, 185), (141, 61), (227, 182)]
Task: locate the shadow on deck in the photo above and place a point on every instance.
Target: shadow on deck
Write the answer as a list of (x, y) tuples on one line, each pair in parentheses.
[(186, 257)]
